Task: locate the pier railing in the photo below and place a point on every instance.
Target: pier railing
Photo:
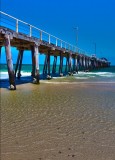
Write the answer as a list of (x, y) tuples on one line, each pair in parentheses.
[(22, 27)]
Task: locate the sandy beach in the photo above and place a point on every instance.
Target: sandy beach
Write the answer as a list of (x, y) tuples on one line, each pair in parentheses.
[(60, 121)]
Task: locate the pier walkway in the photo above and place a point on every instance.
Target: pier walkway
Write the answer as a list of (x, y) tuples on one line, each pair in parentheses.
[(24, 36)]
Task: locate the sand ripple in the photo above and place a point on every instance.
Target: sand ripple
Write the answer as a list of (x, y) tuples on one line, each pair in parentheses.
[(58, 122)]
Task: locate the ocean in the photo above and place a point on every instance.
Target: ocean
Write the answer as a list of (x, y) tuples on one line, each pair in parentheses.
[(104, 74)]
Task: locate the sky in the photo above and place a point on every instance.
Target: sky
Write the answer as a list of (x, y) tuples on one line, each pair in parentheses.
[(95, 20)]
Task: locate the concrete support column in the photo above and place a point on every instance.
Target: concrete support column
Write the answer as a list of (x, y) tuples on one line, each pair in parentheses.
[(0, 50), (48, 62), (99, 64), (17, 63), (45, 65), (75, 68), (46, 69), (78, 62), (74, 64), (84, 63), (20, 64), (88, 63), (94, 64), (66, 67), (35, 64), (9, 63), (61, 65), (54, 65), (70, 63)]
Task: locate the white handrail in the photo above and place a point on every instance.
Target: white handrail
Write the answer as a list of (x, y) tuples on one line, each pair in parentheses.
[(41, 31), (63, 43)]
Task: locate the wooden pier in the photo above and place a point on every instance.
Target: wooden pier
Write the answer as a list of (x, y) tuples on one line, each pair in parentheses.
[(41, 42)]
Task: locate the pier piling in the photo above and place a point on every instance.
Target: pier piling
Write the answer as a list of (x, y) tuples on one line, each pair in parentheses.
[(35, 63), (54, 65), (48, 62), (9, 63), (0, 50), (70, 70), (45, 65), (61, 65), (17, 63), (20, 64)]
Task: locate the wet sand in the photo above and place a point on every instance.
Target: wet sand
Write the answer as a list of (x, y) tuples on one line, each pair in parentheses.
[(58, 122)]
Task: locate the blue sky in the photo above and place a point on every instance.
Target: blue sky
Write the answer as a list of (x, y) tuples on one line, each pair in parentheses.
[(94, 18)]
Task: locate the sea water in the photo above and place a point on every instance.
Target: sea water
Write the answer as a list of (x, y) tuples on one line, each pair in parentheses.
[(100, 74)]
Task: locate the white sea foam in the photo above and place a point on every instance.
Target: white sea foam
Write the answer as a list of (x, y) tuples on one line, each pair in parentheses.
[(83, 75), (25, 73), (80, 75), (4, 75)]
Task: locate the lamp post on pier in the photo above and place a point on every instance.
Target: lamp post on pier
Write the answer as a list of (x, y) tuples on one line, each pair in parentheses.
[(95, 47), (76, 65), (76, 30)]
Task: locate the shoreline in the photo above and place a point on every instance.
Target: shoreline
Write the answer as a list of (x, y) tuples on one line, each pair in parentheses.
[(99, 77), (4, 84)]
